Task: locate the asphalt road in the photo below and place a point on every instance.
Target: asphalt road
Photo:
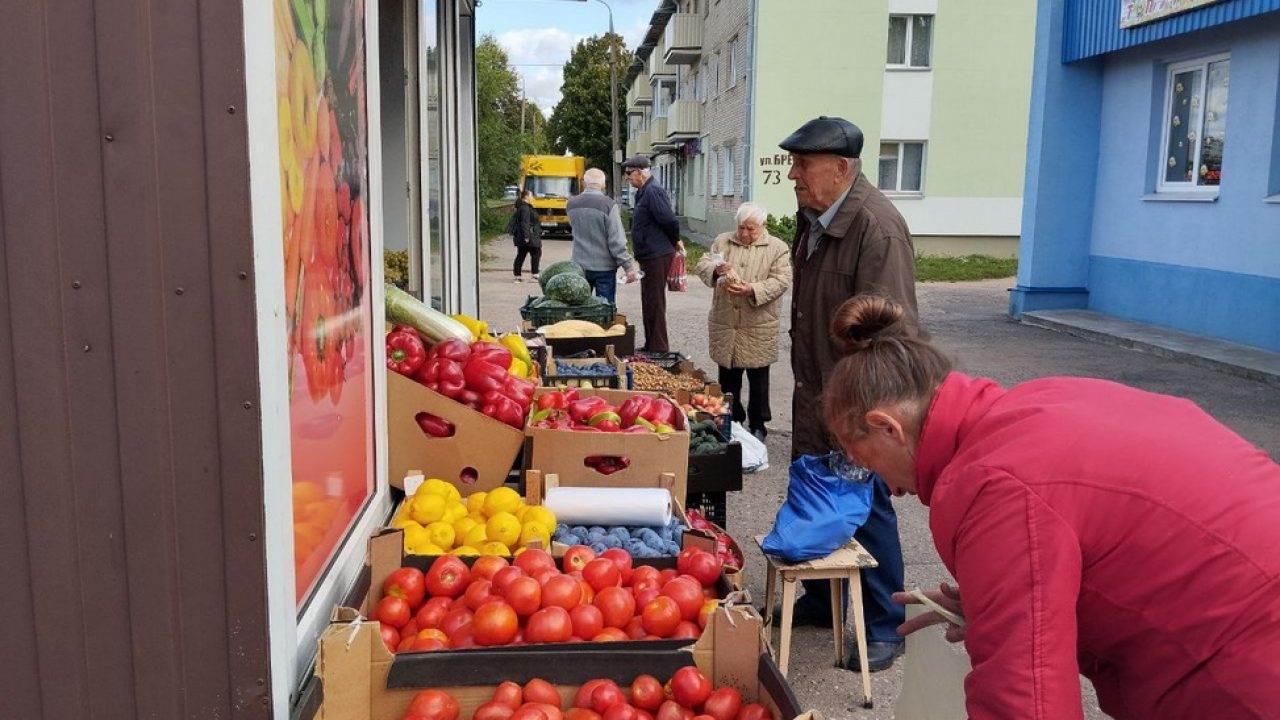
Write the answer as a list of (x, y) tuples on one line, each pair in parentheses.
[(969, 320)]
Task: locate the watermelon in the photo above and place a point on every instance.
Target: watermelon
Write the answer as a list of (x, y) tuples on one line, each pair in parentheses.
[(554, 269), (569, 289)]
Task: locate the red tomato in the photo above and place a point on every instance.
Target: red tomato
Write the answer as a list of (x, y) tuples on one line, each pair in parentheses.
[(588, 593), (601, 573), (705, 568), (754, 712), (538, 690), (464, 638), (390, 636), (525, 596), (393, 611), (635, 628), (704, 614), (644, 596), (616, 605), (581, 714), (448, 577), (723, 704), (610, 634), (582, 699), (455, 620), (432, 633), (406, 583), (561, 591), (686, 631), (542, 575), (529, 712), (685, 555), (606, 695), (642, 715), (645, 573), (432, 612), (421, 644), (689, 687), (477, 592), (486, 566), (671, 710), (660, 616), (577, 557), (549, 625), (620, 712), (434, 705), (509, 694), (622, 559), (503, 577), (588, 621), (534, 559), (704, 716), (550, 712), (493, 711), (666, 576), (406, 644), (495, 623), (410, 629), (647, 693), (688, 596)]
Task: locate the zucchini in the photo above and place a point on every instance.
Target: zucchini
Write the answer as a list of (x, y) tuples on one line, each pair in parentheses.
[(403, 308)]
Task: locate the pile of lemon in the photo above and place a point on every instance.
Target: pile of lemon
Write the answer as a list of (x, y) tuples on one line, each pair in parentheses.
[(438, 521)]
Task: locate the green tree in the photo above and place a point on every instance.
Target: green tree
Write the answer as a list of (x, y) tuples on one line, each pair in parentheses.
[(580, 122), (497, 119)]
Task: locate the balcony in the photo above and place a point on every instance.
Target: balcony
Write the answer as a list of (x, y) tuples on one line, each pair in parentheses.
[(640, 94), (684, 122), (638, 144), (658, 66), (658, 135), (683, 39)]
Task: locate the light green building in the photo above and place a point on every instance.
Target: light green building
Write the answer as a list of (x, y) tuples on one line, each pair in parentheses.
[(940, 88)]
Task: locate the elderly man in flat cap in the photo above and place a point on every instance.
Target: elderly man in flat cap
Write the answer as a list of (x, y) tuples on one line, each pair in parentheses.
[(655, 234), (850, 240)]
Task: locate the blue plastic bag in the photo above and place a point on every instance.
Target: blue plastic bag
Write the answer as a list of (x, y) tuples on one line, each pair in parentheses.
[(822, 510)]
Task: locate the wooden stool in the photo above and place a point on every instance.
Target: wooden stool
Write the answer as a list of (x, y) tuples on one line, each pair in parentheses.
[(845, 563)]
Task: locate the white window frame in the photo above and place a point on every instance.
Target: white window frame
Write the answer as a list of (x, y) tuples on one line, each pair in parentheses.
[(713, 90), (907, 42), (728, 173), (699, 78), (1173, 69), (897, 184), (715, 172), (732, 80)]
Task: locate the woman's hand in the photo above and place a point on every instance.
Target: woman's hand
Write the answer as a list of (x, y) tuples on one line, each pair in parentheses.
[(721, 269), (739, 288), (948, 597)]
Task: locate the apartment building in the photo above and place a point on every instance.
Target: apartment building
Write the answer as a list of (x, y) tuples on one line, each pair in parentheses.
[(941, 89)]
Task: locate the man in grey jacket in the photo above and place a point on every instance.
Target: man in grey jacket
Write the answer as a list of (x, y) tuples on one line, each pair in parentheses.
[(599, 244)]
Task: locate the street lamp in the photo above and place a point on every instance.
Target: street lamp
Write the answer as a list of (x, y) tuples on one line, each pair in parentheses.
[(613, 99)]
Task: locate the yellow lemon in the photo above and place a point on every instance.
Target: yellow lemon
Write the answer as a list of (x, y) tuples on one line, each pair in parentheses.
[(404, 521), (462, 526), (465, 550), (434, 486), (495, 548), (475, 537), (504, 528), (540, 515), (441, 534), (521, 512), (428, 508), (416, 538), (501, 499), (475, 502), (532, 531), (454, 510)]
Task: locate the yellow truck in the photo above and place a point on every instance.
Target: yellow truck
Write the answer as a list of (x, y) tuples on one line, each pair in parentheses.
[(552, 179)]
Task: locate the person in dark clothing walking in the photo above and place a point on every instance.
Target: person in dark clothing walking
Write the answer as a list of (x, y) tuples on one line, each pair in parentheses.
[(655, 235), (526, 233)]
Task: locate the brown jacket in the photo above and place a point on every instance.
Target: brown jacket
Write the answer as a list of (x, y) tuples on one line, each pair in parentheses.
[(743, 331), (867, 249)]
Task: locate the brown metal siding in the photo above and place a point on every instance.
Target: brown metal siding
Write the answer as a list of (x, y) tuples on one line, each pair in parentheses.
[(130, 459)]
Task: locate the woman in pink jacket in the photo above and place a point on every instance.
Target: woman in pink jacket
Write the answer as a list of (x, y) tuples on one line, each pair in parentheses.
[(1093, 529)]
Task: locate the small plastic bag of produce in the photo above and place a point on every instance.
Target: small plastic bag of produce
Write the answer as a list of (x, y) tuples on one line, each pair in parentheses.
[(677, 279)]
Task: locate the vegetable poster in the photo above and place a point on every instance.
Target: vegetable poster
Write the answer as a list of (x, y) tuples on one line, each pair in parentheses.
[(324, 179)]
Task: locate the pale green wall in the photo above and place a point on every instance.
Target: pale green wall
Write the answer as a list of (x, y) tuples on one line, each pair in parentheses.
[(814, 57), (981, 96)]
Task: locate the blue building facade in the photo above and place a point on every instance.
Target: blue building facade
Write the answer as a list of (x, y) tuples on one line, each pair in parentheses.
[(1153, 166)]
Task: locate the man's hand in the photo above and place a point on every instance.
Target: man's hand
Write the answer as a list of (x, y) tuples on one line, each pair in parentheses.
[(946, 596), (631, 276), (680, 245)]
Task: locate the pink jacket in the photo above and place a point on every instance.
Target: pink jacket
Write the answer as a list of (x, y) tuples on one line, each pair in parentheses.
[(1098, 529)]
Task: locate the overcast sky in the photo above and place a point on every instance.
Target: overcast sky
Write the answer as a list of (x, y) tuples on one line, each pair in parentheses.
[(539, 34)]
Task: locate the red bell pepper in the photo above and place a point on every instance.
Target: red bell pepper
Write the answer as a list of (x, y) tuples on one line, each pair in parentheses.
[(633, 408), (455, 350), (520, 390), (493, 352), (552, 400), (434, 425), (470, 398), (660, 412), (483, 376), (503, 409), (442, 375), (581, 410), (405, 353)]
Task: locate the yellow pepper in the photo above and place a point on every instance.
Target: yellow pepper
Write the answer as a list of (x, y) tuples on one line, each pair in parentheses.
[(517, 346), (519, 368), (478, 328)]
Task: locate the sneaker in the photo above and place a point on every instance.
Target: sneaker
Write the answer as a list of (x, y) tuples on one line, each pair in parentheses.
[(760, 434), (534, 277), (518, 280), (880, 656)]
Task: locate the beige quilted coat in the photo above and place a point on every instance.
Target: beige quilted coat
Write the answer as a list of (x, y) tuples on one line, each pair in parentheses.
[(743, 329)]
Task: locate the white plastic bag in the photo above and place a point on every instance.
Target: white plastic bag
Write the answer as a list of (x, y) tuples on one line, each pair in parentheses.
[(755, 454), (932, 676)]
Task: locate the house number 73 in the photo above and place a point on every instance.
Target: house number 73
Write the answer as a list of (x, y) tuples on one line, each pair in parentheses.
[(772, 177)]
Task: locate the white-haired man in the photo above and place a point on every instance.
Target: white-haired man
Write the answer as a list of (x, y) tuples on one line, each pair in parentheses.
[(599, 244)]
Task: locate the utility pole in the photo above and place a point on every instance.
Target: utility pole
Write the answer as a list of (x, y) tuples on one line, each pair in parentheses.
[(613, 103)]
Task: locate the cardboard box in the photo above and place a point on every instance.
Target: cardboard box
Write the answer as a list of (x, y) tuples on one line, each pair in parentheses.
[(624, 344), (480, 444), (553, 377), (362, 680), (564, 452)]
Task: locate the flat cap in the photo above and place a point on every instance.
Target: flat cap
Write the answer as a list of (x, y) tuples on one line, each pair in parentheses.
[(833, 135), (636, 161)]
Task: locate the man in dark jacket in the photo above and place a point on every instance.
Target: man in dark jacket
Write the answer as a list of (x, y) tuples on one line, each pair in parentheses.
[(850, 240), (655, 235), (526, 233)]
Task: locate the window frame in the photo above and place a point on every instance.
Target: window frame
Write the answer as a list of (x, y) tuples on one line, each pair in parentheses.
[(714, 180), (713, 90), (732, 80), (908, 42), (1172, 69), (729, 172), (896, 190)]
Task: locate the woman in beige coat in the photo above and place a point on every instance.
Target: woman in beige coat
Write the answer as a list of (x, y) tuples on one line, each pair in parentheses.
[(749, 270)]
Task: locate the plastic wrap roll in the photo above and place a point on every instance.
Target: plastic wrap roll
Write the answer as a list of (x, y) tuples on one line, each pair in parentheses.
[(610, 506)]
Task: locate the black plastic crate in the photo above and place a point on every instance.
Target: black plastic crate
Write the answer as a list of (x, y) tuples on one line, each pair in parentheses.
[(717, 472), (669, 361), (601, 314), (714, 506)]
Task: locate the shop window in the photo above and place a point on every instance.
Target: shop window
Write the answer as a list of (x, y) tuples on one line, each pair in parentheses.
[(901, 167), (910, 41), (1194, 125)]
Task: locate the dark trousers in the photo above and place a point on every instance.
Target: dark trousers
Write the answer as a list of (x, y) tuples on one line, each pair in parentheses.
[(535, 256), (879, 535), (757, 411), (653, 302), (603, 282)]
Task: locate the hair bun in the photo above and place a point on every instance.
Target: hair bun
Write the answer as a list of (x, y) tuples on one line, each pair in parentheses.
[(864, 319)]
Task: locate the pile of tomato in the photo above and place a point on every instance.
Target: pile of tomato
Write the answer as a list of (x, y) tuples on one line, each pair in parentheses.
[(529, 600), (688, 695)]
